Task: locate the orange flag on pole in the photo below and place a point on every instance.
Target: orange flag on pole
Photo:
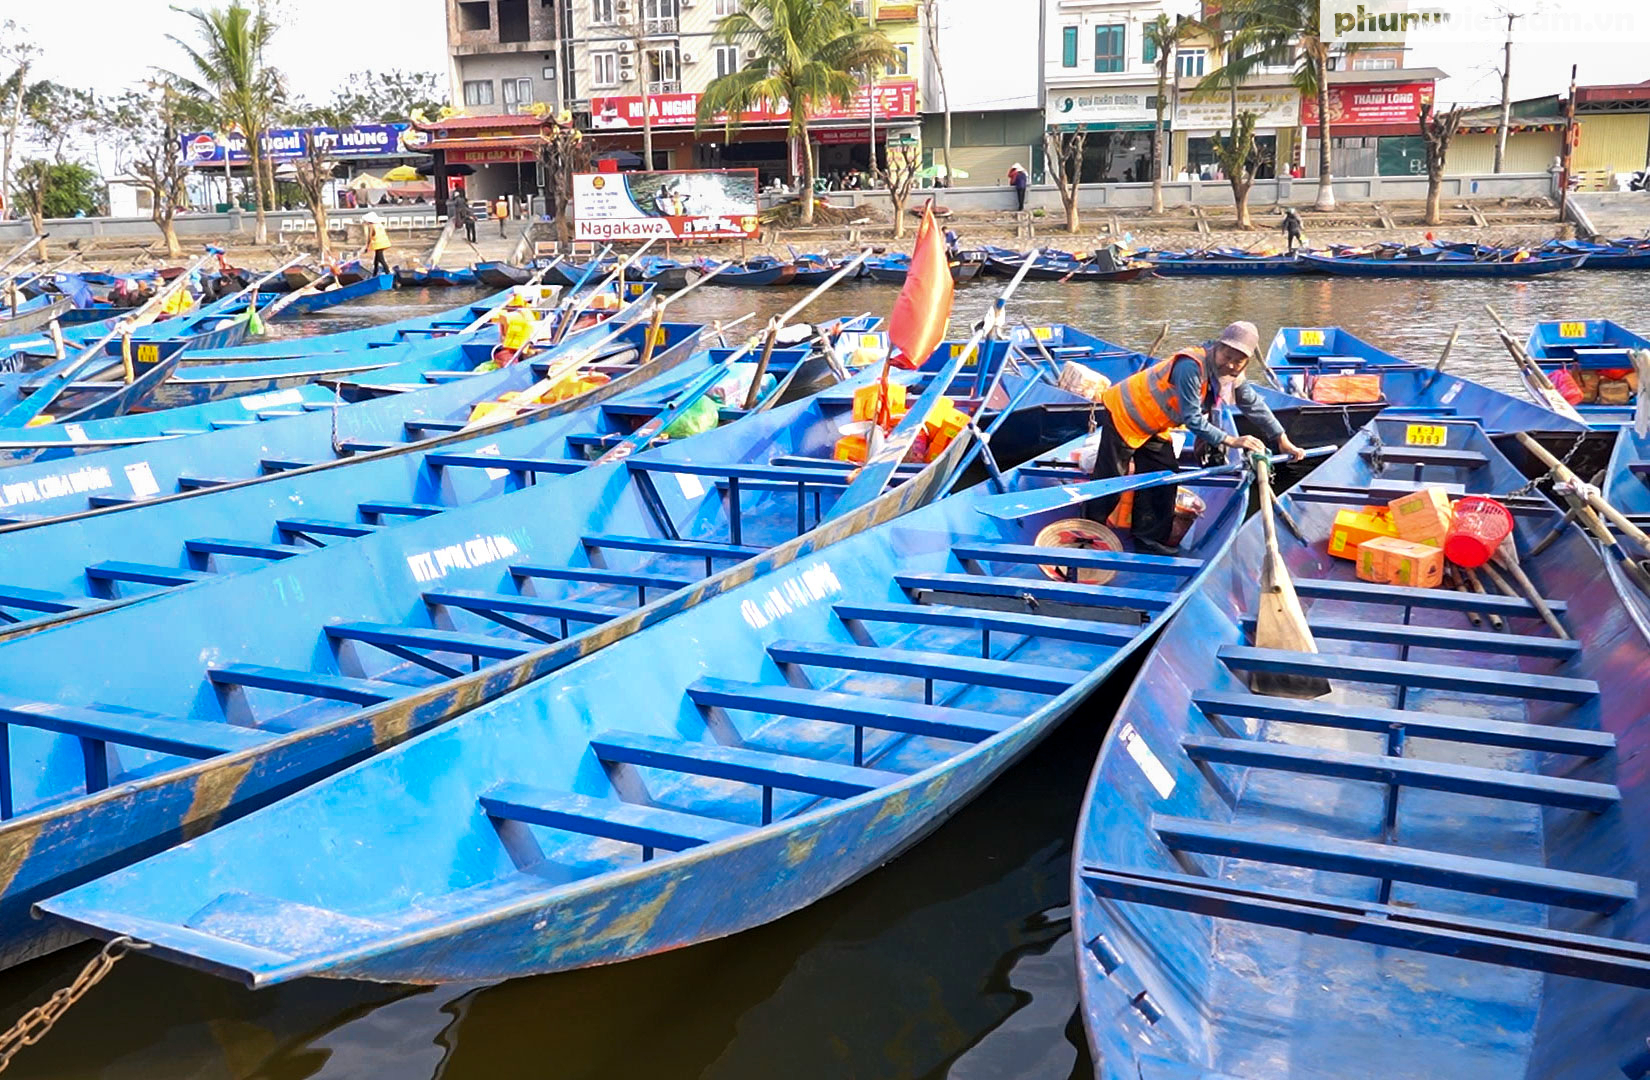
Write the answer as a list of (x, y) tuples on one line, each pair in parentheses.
[(917, 325)]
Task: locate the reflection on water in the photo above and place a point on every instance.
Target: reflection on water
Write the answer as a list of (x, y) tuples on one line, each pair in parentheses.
[(953, 961)]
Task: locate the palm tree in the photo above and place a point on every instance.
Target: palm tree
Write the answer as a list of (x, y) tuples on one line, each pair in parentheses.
[(1266, 32), (229, 69), (1165, 37), (808, 52)]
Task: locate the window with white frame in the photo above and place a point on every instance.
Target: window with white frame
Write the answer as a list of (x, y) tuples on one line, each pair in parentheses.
[(660, 16), (601, 12), (861, 8), (727, 60), (1374, 63), (1189, 63), (604, 69), (478, 92), (902, 61), (518, 92), (724, 8), (663, 71)]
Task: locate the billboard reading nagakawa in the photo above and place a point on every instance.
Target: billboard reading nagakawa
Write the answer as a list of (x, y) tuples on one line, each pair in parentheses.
[(712, 204)]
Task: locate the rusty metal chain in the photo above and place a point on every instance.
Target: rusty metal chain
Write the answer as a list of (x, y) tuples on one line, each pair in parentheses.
[(34, 1024), (1529, 486)]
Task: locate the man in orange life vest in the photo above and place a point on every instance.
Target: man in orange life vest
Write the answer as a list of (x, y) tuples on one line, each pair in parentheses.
[(1179, 391)]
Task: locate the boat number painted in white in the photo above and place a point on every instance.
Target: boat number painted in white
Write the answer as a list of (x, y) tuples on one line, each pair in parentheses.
[(429, 565), (92, 478), (1148, 762), (789, 594)]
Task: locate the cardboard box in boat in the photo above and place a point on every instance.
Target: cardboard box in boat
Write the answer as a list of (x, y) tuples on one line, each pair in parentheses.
[(1388, 560), (1353, 527), (1422, 517)]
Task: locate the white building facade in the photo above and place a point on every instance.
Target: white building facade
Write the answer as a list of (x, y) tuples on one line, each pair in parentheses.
[(992, 55)]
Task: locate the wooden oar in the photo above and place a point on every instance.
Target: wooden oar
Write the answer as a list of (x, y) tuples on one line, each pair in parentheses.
[(1586, 492), (254, 286), (1279, 621), (618, 274), (773, 333), (281, 303), (1641, 401), (1534, 378), (1157, 342), (28, 246), (1438, 368)]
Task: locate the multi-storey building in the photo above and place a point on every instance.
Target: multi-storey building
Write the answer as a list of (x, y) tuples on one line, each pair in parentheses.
[(993, 84), (1099, 78)]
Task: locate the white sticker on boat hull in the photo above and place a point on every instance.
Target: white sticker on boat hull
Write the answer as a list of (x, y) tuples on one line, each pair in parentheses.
[(1159, 777), (141, 479)]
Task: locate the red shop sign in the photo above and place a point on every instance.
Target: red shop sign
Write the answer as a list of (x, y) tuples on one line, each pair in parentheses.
[(1370, 103)]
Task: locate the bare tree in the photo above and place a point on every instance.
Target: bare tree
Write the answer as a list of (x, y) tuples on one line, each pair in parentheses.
[(899, 178), (313, 175), (1437, 132), (1239, 161), (143, 128), (562, 154), (17, 51), (930, 15), (1065, 164)]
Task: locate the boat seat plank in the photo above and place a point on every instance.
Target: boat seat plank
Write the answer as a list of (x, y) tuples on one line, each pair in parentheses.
[(419, 637), (362, 446), (274, 465), (1532, 948), (1359, 496), (143, 573), (1639, 468), (159, 734), (1382, 488), (1436, 456), (432, 424), (15, 596), (741, 471), (1007, 622), (1086, 558), (702, 549), (307, 683), (475, 600), (99, 502), (600, 575), (324, 527), (1438, 637), (1462, 873), (195, 483), (1543, 738), (1367, 592), (558, 466), (1037, 588), (626, 822), (907, 717), (1409, 772), (213, 545), (804, 462), (749, 766), (1516, 684), (378, 507), (946, 667), (219, 425), (596, 442)]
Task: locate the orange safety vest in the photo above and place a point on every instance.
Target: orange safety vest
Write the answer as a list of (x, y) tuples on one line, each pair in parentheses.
[(501, 208), (380, 240), (1146, 404)]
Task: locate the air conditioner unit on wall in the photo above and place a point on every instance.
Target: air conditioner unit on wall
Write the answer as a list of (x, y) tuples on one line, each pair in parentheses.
[(627, 74), (627, 46), (687, 58), (750, 54)]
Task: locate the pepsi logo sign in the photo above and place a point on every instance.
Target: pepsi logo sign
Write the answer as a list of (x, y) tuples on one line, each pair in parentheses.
[(202, 148)]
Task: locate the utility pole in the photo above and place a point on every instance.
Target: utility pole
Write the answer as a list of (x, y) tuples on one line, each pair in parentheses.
[(1506, 95), (1568, 149), (638, 38)]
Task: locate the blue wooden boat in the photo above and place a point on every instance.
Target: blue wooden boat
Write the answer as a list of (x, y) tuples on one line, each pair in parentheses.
[(205, 457), (1220, 262), (267, 680), (433, 277), (1627, 488), (332, 296), (1590, 345), (1440, 267), (757, 271), (815, 268), (1626, 253), (1436, 868), (32, 314), (892, 269), (1299, 355), (500, 275), (795, 733)]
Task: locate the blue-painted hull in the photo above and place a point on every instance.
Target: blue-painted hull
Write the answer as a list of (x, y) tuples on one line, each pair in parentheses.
[(1586, 344), (447, 900), (44, 491), (1627, 488), (761, 275), (1166, 265), (1183, 949), (1348, 266), (435, 277), (425, 576), (338, 294), (1298, 355)]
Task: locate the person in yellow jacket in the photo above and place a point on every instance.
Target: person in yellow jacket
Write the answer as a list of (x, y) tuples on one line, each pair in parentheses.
[(377, 242), (501, 210), (1141, 410)]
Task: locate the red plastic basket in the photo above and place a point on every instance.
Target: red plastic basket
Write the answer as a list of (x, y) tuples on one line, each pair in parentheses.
[(1478, 527)]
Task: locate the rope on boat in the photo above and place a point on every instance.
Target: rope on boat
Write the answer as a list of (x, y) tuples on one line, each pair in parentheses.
[(34, 1024)]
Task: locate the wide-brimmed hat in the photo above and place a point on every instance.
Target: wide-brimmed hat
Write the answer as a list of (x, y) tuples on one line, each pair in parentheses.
[(371, 217), (1241, 336)]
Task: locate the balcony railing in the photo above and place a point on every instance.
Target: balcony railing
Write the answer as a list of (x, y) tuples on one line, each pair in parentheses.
[(666, 25), (667, 86)]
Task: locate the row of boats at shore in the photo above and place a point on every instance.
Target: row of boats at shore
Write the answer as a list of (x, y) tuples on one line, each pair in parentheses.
[(319, 658)]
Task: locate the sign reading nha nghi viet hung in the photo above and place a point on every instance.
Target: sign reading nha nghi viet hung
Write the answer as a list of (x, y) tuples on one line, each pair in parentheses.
[(705, 204)]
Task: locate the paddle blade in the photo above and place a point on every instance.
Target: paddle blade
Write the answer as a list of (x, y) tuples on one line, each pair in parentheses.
[(1281, 624)]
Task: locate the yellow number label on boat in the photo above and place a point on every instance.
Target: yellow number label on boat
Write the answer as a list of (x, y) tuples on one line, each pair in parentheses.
[(870, 341), (1426, 435), (148, 354), (636, 288), (971, 361), (1311, 337), (1042, 333), (1572, 329), (656, 339)]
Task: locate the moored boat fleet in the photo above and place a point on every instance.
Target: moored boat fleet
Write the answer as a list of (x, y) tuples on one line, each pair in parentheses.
[(559, 629)]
